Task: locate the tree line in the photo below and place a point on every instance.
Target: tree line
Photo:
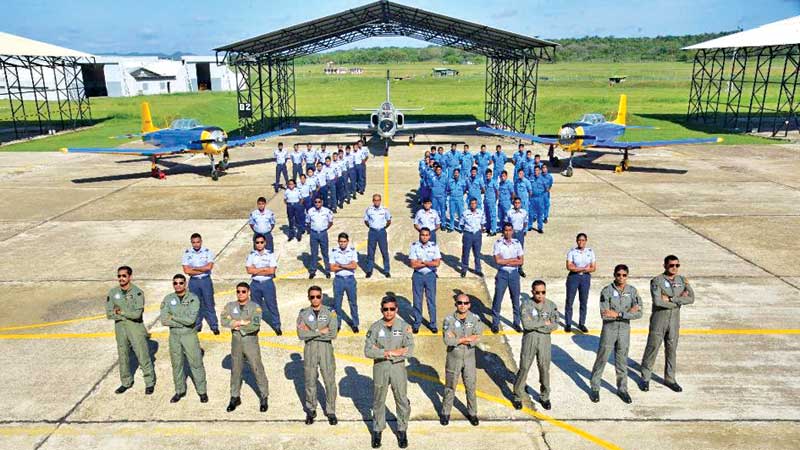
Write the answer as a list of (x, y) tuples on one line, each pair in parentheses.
[(590, 48)]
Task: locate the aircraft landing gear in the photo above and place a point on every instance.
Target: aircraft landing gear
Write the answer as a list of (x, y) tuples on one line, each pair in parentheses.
[(624, 165), (569, 170), (214, 168), (386, 146), (223, 166), (155, 171)]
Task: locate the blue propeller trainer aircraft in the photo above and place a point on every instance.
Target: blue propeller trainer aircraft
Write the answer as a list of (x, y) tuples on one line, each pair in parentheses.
[(592, 131), (182, 136)]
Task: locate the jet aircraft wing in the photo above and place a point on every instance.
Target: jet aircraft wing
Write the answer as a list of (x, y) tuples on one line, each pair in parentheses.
[(160, 151), (514, 134), (641, 144), (259, 137), (426, 125), (342, 126)]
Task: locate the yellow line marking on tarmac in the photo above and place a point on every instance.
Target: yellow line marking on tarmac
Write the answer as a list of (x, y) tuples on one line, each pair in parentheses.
[(386, 180), (286, 276)]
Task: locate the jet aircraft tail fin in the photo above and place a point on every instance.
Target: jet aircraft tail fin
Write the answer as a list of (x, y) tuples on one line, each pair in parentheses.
[(147, 119), (622, 111)]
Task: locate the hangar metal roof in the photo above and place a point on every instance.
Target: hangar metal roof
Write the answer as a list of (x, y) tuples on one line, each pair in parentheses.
[(384, 18), (13, 45), (782, 32)]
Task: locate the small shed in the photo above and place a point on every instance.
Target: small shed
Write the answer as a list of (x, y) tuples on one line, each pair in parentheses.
[(444, 72)]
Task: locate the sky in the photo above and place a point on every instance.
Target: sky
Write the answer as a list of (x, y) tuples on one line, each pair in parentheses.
[(167, 26)]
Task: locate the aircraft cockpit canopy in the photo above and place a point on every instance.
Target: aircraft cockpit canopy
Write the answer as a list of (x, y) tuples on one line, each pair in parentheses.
[(386, 106), (185, 124), (593, 119)]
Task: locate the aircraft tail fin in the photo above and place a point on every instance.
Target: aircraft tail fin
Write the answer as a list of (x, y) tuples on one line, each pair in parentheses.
[(622, 112), (147, 119), (388, 85)]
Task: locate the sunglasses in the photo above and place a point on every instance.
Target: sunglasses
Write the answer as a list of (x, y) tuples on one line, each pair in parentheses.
[(675, 265), (241, 291), (462, 303), (178, 283), (388, 309), (122, 276), (623, 275), (539, 292), (314, 296), (260, 242)]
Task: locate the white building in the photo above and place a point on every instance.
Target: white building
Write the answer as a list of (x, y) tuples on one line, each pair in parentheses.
[(126, 76)]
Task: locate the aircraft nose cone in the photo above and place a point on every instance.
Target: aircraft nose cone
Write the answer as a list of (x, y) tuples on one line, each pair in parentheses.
[(566, 134)]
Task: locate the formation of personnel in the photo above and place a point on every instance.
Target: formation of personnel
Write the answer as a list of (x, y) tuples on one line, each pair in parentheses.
[(451, 180), (390, 341)]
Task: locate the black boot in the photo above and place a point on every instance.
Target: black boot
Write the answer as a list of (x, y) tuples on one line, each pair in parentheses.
[(376, 439), (402, 439), (310, 417), (235, 401)]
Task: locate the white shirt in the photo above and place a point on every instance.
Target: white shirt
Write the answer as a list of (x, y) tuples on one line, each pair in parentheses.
[(518, 218), (425, 253), (261, 261), (377, 218), (263, 222), (342, 257), (319, 219), (363, 154), (297, 156), (473, 221), (340, 166), (308, 187), (507, 250), (429, 219), (320, 177), (581, 258), (330, 172), (292, 195), (350, 159), (280, 155), (197, 258)]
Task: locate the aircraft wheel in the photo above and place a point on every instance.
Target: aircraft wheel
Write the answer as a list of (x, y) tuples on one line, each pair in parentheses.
[(568, 172), (626, 165), (214, 175)]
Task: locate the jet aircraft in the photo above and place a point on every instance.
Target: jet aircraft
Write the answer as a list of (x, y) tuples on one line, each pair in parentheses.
[(387, 121), (182, 136), (593, 131)]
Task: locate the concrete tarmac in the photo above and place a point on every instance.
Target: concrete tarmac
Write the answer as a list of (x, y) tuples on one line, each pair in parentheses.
[(729, 212)]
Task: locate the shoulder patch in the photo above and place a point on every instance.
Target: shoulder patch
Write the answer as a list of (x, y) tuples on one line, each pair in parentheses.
[(258, 310)]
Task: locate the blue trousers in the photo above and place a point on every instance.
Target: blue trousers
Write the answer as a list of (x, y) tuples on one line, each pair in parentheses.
[(362, 177), (546, 205), (424, 283), (424, 193), (579, 283), (352, 180), (341, 189), (433, 235), (471, 242), (322, 193), (502, 209), (319, 241), (342, 284), (280, 169), (297, 169), (490, 211), (203, 288), (505, 280), (331, 202), (377, 237), (296, 220), (538, 211), (263, 293), (520, 236), (456, 204), (440, 205), (269, 244)]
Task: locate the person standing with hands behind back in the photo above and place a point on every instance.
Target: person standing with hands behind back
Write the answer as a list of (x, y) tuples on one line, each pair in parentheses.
[(581, 262)]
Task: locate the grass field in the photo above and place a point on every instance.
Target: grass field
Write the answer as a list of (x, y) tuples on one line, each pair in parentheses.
[(657, 95)]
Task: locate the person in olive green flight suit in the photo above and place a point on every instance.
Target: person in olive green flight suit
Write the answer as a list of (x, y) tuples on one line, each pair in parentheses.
[(317, 326), (389, 342), (243, 317), (179, 312), (462, 331), (539, 319), (125, 305), (619, 304), (669, 292)]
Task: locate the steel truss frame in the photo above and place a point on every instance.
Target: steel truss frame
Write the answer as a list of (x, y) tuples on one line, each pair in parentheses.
[(750, 89), (265, 69), (55, 100)]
